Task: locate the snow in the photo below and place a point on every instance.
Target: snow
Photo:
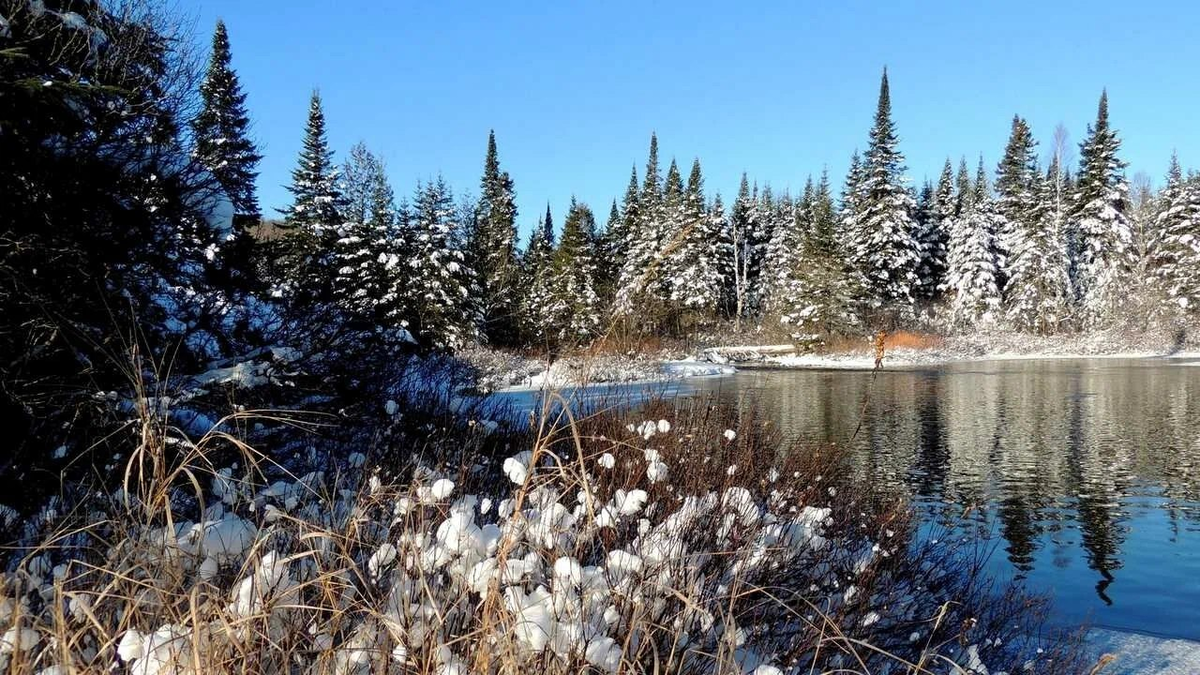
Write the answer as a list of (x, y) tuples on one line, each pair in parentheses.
[(695, 369), (1138, 654), (442, 488), (972, 348)]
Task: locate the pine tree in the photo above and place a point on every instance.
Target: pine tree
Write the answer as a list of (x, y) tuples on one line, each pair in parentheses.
[(971, 277), (965, 189), (932, 237), (1100, 221), (367, 251), (1175, 259), (439, 278), (725, 254), (740, 224), (693, 272), (314, 218), (540, 310), (609, 252), (1038, 289), (222, 132), (761, 227), (493, 251), (573, 271), (1018, 196), (822, 295), (640, 286), (935, 244), (884, 245), (848, 230), (786, 248)]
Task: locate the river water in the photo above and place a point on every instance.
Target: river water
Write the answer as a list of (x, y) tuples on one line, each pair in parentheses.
[(1081, 475)]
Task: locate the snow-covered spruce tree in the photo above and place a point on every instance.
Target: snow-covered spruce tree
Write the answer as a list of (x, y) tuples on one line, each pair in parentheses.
[(935, 237), (1038, 290), (369, 251), (541, 310), (932, 237), (1101, 221), (847, 224), (822, 295), (786, 247), (1175, 258), (493, 252), (609, 252), (971, 283), (884, 246), (762, 222), (1017, 193), (693, 267), (573, 272), (662, 313), (221, 132), (725, 252), (438, 276), (314, 219), (741, 217), (639, 284)]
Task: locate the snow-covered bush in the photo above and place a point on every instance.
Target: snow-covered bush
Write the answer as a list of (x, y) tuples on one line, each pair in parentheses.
[(671, 537)]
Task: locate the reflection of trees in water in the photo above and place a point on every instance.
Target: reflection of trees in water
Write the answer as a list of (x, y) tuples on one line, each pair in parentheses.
[(1048, 443), (1090, 473)]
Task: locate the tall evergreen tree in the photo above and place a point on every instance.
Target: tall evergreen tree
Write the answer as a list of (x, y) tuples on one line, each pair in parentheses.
[(314, 217), (693, 272), (493, 251), (932, 237), (609, 251), (439, 278), (935, 245), (1101, 221), (964, 189), (573, 270), (540, 312), (786, 248), (762, 225), (368, 250), (1018, 191), (1038, 289), (971, 278), (741, 222), (1175, 259), (222, 132), (884, 245), (640, 279), (822, 295)]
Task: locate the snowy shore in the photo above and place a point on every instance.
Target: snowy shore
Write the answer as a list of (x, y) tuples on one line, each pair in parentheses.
[(503, 372), (963, 349)]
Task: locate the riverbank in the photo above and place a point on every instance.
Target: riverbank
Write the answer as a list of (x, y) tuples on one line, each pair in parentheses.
[(499, 371)]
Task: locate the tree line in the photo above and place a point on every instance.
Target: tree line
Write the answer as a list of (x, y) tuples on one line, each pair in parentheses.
[(1030, 249)]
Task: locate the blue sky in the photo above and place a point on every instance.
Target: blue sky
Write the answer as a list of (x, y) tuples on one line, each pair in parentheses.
[(781, 90)]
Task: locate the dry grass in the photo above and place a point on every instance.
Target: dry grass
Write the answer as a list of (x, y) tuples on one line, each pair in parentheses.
[(107, 566)]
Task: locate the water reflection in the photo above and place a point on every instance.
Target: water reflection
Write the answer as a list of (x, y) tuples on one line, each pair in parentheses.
[(1087, 469)]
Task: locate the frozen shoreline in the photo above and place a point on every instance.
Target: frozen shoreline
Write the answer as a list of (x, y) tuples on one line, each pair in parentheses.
[(508, 373), (1143, 654), (964, 349)]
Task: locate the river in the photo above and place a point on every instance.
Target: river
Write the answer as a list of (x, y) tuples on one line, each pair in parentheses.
[(1082, 475)]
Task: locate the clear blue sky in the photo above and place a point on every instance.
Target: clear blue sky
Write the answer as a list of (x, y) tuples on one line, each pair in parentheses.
[(573, 89)]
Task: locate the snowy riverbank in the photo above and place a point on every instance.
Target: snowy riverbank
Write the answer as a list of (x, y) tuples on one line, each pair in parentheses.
[(505, 372), (985, 347)]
